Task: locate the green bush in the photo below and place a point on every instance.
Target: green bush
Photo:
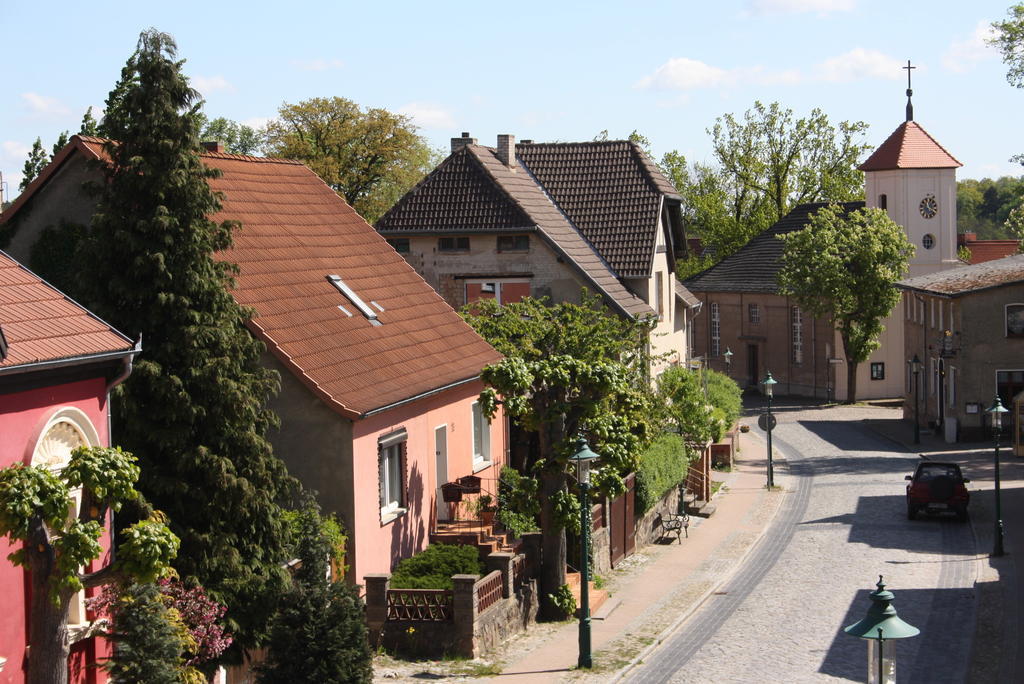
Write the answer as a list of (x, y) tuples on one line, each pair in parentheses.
[(725, 395), (433, 567), (662, 467), (518, 505)]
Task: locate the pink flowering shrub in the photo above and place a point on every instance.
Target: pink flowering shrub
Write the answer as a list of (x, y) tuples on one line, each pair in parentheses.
[(199, 614)]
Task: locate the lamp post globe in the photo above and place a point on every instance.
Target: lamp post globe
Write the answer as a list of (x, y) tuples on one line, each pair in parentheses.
[(769, 383), (996, 411), (880, 627), (583, 457)]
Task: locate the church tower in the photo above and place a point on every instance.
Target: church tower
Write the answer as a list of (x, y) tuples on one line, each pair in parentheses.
[(913, 178)]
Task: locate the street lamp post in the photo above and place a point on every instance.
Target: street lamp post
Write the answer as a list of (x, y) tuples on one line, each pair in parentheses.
[(769, 382), (728, 362), (583, 457), (880, 627), (915, 366), (997, 412)]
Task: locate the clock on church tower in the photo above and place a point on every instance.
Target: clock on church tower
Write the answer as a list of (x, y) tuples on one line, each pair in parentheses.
[(913, 178)]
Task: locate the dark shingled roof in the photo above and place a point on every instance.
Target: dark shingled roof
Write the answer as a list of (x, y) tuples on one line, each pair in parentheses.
[(520, 203), (964, 280), (610, 193), (459, 197), (753, 267)]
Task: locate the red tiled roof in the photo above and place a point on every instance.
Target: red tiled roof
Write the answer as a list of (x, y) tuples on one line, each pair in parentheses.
[(909, 147), (295, 232), (41, 324)]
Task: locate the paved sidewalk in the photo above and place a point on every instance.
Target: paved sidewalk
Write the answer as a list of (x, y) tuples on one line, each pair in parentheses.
[(664, 584)]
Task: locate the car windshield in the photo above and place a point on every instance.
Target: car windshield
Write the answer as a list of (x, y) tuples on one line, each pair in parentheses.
[(932, 471)]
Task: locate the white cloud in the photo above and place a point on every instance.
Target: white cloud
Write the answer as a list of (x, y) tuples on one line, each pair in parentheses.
[(962, 55), (428, 115), (682, 73), (800, 6), (12, 159), (211, 84), (45, 105), (256, 122), (857, 64), (317, 64)]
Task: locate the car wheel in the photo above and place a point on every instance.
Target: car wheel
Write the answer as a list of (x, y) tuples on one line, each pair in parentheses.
[(911, 511)]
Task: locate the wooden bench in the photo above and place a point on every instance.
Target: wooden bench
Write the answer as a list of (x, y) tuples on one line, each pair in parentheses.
[(675, 523)]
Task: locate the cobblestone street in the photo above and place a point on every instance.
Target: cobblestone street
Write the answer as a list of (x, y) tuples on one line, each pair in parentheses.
[(841, 524)]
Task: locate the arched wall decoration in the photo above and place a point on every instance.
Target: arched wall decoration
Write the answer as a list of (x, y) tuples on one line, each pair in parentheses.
[(66, 429)]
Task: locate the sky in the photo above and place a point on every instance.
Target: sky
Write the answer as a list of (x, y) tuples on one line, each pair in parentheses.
[(555, 70)]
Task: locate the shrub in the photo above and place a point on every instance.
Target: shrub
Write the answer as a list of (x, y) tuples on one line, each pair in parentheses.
[(433, 567), (661, 467), (318, 633), (687, 405), (725, 395), (518, 504)]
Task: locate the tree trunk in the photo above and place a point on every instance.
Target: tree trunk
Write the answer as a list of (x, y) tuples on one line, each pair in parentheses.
[(48, 624), (851, 381), (552, 574)]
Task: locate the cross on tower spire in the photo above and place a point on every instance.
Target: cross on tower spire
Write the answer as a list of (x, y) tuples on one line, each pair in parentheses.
[(910, 105)]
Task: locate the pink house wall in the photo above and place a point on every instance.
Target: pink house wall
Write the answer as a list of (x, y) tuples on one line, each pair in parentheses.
[(23, 415), (379, 545)]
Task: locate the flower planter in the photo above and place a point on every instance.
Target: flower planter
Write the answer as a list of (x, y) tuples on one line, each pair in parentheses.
[(470, 484), (451, 492)]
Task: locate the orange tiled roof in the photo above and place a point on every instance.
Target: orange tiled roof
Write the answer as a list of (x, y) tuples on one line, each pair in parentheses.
[(40, 324), (909, 147), (295, 232)]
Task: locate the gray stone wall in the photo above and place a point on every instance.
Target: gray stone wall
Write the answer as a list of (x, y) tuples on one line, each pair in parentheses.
[(648, 530)]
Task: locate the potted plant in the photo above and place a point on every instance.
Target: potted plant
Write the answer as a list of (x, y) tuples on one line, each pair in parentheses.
[(484, 507)]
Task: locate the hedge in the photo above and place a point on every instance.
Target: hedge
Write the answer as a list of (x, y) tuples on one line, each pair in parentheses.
[(433, 567), (663, 466)]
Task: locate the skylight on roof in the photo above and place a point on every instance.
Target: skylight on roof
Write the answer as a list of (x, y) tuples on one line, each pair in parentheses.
[(370, 314)]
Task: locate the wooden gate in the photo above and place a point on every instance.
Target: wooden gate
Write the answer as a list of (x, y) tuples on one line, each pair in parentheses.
[(621, 526)]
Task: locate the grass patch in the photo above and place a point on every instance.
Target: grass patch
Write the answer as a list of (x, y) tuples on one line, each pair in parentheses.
[(715, 486)]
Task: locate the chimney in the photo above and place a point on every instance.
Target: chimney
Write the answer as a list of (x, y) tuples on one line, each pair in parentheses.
[(459, 143), (507, 150), (213, 146)]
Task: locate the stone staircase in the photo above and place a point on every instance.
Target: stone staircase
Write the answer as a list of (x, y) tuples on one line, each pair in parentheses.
[(695, 506), (597, 596), (484, 536)]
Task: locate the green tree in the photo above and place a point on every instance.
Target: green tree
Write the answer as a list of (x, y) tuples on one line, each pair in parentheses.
[(370, 157), (569, 370), (149, 637), (237, 138), (195, 408), (844, 265), (1009, 40), (36, 162), (318, 633), (767, 162), (55, 546), (89, 125), (688, 406)]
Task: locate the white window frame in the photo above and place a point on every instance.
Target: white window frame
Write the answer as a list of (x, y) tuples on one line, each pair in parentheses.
[(481, 437), (496, 283), (716, 330), (754, 313), (392, 452)]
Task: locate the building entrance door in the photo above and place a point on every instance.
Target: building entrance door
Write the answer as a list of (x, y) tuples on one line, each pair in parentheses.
[(753, 366), (441, 469)]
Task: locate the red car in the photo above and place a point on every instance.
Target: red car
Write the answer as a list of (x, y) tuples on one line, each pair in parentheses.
[(937, 488)]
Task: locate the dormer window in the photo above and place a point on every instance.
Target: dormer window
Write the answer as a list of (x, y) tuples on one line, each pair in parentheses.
[(357, 302)]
